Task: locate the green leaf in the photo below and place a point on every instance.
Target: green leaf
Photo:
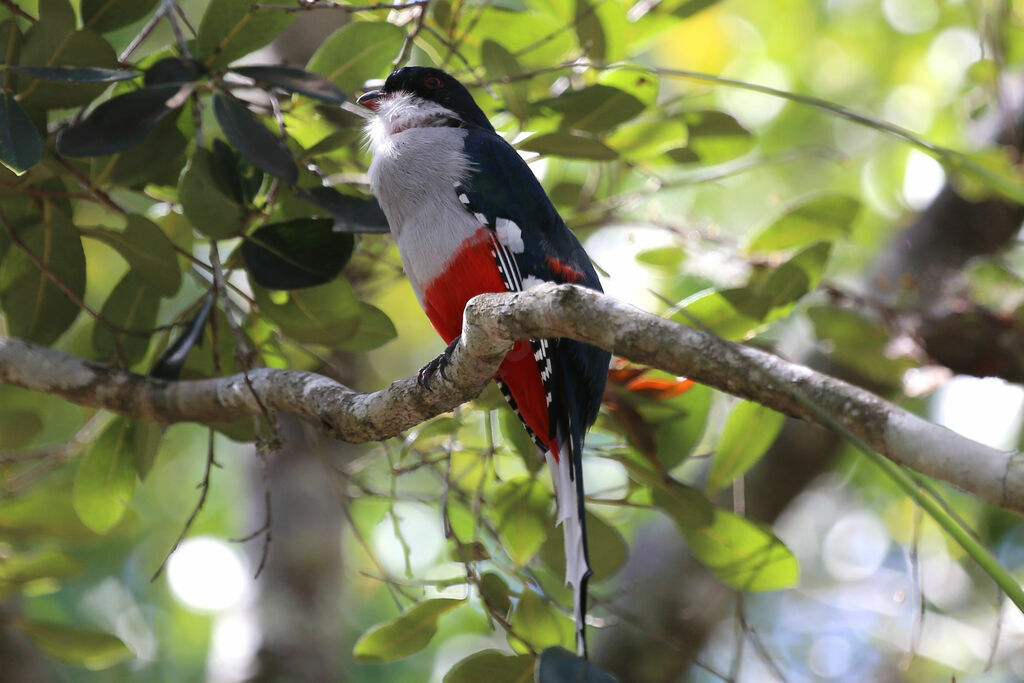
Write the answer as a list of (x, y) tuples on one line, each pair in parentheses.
[(351, 214), (34, 307), (669, 257), (749, 431), (648, 139), (742, 554), (558, 665), (513, 430), (327, 314), (641, 84), (205, 200), (47, 46), (539, 623), (499, 63), (493, 667), (609, 550), (75, 74), (132, 306), (796, 277), (721, 312), (18, 427), (521, 511), (495, 593), (300, 253), (676, 437), (404, 635), (375, 330), (257, 144), (20, 568), (158, 159), (686, 505), (148, 251), (233, 28), (356, 53), (21, 148), (109, 15), (146, 438), (716, 137), (91, 649), (595, 108), (120, 122), (172, 360), (568, 145), (825, 218), (294, 80), (691, 7), (105, 479), (859, 344)]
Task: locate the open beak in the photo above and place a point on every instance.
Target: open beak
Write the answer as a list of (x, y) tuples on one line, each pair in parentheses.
[(371, 100)]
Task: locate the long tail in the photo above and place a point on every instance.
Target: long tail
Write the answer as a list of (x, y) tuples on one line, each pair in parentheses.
[(567, 473)]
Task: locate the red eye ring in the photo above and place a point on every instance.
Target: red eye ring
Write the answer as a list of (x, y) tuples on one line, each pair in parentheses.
[(432, 82)]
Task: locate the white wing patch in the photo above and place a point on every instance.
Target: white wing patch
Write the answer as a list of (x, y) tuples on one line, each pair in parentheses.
[(510, 235)]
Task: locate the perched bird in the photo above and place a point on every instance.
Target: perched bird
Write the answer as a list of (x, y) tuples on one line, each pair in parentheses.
[(470, 217)]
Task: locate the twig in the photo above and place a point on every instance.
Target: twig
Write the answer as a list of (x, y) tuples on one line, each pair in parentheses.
[(403, 54), (88, 184), (306, 5), (13, 6)]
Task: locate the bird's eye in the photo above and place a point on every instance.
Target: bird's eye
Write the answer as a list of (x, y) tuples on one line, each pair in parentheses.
[(432, 82)]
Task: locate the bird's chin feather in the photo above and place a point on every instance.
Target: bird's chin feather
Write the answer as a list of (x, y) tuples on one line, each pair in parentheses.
[(398, 112)]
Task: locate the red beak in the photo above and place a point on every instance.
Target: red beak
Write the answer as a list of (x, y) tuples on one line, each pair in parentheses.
[(371, 99)]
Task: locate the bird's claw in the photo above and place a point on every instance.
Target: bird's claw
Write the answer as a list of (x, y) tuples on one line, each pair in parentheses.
[(437, 366)]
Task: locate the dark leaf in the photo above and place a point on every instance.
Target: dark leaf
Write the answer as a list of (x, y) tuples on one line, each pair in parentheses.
[(595, 108), (565, 144), (375, 330), (132, 306), (351, 214), (558, 665), (691, 7), (173, 358), (495, 593), (46, 46), (294, 80), (175, 70), (252, 139), (120, 122), (304, 252), (241, 179), (20, 145), (109, 15), (75, 74), (206, 200), (157, 159)]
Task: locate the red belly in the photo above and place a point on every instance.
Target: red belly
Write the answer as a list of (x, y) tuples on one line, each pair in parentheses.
[(473, 271)]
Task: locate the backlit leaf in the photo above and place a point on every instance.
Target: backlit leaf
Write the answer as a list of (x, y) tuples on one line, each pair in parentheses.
[(233, 28), (499, 64), (539, 622), (515, 433), (105, 479), (493, 667), (716, 137), (356, 53), (257, 144), (21, 148), (495, 593), (91, 649), (749, 431), (404, 635), (304, 252), (608, 554), (825, 218)]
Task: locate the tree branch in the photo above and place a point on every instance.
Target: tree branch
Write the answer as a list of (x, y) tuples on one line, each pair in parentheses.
[(491, 323)]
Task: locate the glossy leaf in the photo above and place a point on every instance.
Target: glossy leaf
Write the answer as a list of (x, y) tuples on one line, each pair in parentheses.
[(743, 554), (109, 15), (356, 53), (568, 145), (404, 635), (91, 649), (824, 218), (595, 108), (304, 252), (294, 80), (172, 360), (233, 28), (120, 122), (539, 622), (105, 479), (326, 314), (492, 666), (558, 665), (351, 214), (748, 433), (174, 70), (205, 200), (21, 148), (375, 330), (148, 251), (48, 46), (522, 512), (35, 309), (132, 306), (257, 144), (75, 74)]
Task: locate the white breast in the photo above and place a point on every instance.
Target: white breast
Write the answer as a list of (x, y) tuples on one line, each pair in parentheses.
[(413, 175)]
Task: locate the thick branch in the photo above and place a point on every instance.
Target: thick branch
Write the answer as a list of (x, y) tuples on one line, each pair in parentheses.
[(491, 323)]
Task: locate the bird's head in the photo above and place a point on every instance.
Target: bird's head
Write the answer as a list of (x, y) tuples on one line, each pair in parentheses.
[(432, 92)]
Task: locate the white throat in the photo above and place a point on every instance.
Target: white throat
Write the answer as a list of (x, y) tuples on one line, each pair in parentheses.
[(398, 112)]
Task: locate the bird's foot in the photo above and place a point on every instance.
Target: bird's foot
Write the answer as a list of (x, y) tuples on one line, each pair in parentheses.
[(437, 366)]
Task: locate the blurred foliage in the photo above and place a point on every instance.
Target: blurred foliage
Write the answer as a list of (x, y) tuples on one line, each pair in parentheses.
[(734, 165)]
